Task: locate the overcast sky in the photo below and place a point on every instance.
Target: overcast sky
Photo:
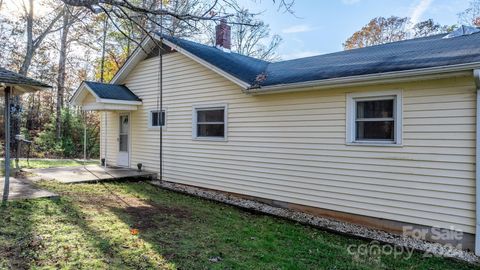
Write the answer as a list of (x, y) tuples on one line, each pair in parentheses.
[(323, 25)]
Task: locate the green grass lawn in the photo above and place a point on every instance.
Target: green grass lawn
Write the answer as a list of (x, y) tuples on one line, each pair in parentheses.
[(89, 227), (47, 163), (44, 163)]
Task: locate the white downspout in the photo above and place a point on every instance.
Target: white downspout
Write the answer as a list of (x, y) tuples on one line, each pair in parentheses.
[(84, 139), (476, 76), (105, 139)]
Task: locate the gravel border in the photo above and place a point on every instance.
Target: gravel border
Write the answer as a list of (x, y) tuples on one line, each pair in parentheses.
[(328, 224)]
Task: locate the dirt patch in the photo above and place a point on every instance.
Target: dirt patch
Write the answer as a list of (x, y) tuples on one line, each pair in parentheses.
[(15, 254), (154, 216), (139, 213)]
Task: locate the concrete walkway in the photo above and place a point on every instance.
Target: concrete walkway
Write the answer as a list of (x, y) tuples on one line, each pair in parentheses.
[(89, 173), (24, 189)]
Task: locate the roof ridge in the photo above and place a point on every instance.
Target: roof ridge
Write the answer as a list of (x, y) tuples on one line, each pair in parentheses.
[(214, 47), (244, 68)]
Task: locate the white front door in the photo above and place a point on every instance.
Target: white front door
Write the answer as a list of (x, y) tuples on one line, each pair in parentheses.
[(123, 141)]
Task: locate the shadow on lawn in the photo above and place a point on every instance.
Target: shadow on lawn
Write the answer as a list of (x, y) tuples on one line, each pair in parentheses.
[(18, 242), (181, 228), (158, 224), (190, 233), (193, 232), (118, 246)]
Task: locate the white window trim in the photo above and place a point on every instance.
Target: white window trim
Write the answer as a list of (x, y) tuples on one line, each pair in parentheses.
[(150, 119), (211, 107), (351, 114)]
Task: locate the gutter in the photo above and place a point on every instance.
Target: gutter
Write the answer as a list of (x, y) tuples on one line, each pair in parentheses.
[(476, 76), (387, 77)]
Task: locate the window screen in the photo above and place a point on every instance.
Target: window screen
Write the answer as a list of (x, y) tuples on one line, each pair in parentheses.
[(375, 120), (210, 122), (157, 119)]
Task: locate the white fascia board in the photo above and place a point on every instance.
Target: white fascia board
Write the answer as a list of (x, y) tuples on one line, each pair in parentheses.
[(108, 107), (118, 101), (81, 92), (219, 71), (73, 100), (79, 95), (387, 77), (137, 55), (148, 43)]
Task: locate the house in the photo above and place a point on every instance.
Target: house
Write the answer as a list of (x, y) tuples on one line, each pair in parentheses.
[(384, 136)]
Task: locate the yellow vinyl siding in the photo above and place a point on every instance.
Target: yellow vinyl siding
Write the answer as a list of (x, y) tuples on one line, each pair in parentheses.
[(291, 146), (89, 99), (111, 125)]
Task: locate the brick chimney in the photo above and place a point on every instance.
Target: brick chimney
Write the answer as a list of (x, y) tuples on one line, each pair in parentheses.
[(222, 35)]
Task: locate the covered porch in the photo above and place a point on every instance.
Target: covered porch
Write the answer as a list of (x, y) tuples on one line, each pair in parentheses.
[(110, 98), (15, 84)]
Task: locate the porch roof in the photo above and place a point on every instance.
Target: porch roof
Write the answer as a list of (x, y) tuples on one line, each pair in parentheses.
[(22, 84), (94, 96)]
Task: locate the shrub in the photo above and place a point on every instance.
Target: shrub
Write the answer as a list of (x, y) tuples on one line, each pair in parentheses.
[(70, 144)]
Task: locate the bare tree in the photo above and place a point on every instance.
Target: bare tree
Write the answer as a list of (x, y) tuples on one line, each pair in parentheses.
[(252, 37), (61, 69), (429, 27), (104, 47), (471, 16), (33, 43), (210, 10), (70, 17), (379, 30), (382, 30)]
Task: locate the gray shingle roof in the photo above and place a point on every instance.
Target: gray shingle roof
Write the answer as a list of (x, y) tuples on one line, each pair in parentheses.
[(240, 66), (112, 91), (10, 77), (433, 51)]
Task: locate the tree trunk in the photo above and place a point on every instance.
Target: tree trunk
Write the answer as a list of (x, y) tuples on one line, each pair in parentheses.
[(33, 44), (29, 53), (61, 71), (104, 40)]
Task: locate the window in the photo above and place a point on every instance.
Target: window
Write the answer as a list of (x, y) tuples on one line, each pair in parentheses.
[(374, 118), (123, 133), (209, 123), (156, 119)]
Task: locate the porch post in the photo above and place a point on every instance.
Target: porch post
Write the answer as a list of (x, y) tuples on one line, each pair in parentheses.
[(84, 138), (105, 140), (6, 186)]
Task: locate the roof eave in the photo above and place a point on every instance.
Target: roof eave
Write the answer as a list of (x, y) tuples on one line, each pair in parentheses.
[(77, 97), (138, 54), (120, 101), (368, 79), (74, 100), (30, 88), (241, 83)]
